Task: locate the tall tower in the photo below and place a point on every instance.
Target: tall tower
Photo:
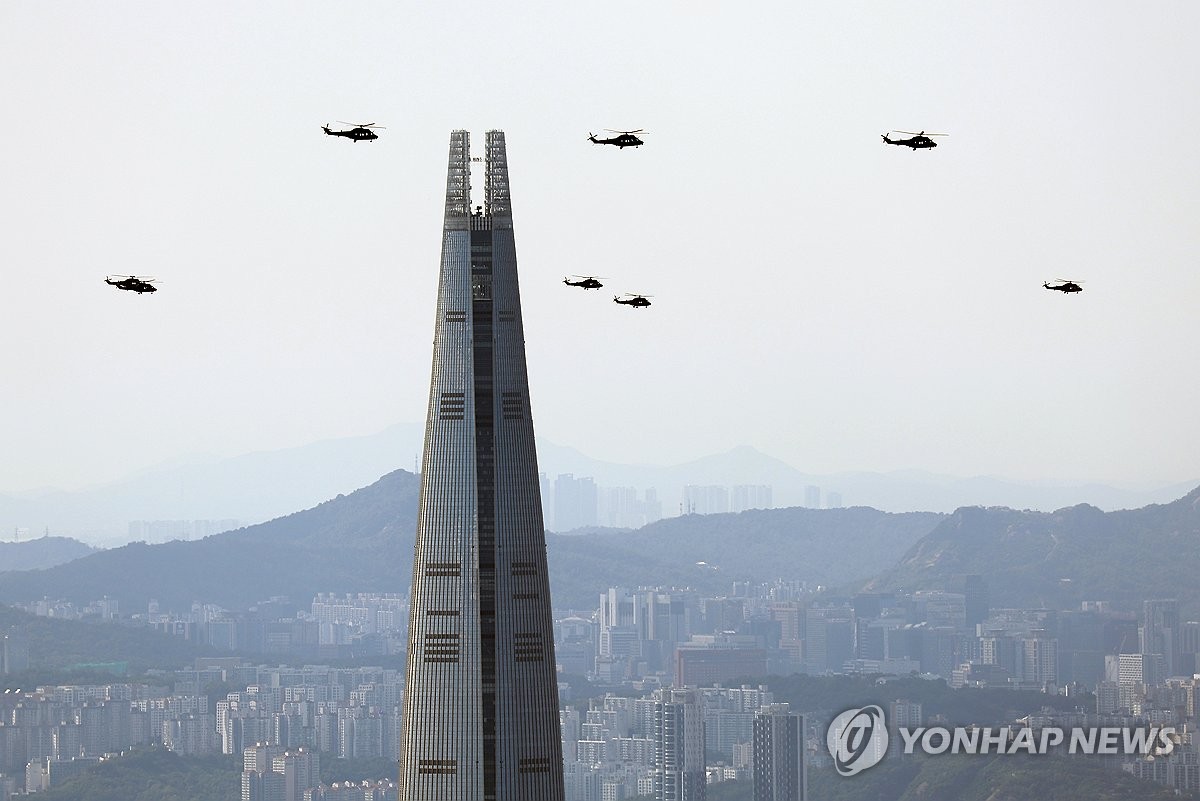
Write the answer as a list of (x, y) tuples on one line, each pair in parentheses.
[(481, 694)]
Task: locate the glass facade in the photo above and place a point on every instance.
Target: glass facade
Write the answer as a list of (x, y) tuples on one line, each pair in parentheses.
[(481, 698)]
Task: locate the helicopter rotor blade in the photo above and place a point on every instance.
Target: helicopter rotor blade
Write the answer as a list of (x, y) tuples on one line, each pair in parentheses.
[(638, 131), (919, 133)]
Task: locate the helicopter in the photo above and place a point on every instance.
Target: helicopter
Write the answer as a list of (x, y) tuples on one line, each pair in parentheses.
[(1065, 286), (132, 283), (360, 131), (586, 281), (918, 141), (636, 301), (623, 139)]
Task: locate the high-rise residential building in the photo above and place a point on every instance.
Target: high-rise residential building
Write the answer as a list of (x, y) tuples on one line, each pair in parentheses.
[(480, 716), (902, 714), (812, 497), (1037, 661), (679, 746), (978, 602), (14, 652), (705, 500), (1160, 631), (576, 502), (751, 496), (780, 772)]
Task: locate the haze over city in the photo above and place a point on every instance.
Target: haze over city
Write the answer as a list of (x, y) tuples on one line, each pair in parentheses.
[(854, 492), (834, 302)]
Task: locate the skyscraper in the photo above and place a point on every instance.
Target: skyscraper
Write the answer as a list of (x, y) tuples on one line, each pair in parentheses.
[(679, 745), (780, 770), (1159, 633), (481, 696)]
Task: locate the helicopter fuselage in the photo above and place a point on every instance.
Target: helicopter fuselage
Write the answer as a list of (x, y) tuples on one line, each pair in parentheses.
[(916, 142), (637, 302), (132, 285), (623, 141), (354, 134)]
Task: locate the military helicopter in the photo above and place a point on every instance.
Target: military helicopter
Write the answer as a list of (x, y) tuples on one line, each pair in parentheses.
[(918, 141), (1065, 286), (586, 281), (132, 283), (636, 301), (623, 139), (361, 131)]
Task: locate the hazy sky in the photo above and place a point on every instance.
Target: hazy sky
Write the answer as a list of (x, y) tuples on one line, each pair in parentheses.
[(833, 301)]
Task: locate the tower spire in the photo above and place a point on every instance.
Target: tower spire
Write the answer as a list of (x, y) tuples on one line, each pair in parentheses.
[(480, 719)]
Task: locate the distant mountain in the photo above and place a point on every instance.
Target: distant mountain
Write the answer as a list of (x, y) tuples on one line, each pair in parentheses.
[(358, 542), (251, 488), (898, 491), (1060, 558), (261, 486), (710, 552), (363, 542), (41, 552)]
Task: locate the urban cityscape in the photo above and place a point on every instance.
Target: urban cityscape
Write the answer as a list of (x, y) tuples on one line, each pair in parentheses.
[(641, 664)]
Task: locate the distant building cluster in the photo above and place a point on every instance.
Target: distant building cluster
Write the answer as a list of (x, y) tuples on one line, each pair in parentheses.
[(280, 723), (105, 609), (711, 500), (812, 498), (660, 745), (273, 773), (351, 713), (335, 627), (1144, 669), (48, 734), (569, 503), (168, 530)]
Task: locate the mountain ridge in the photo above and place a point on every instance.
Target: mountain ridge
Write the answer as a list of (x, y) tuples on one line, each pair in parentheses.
[(264, 485), (1061, 558), (363, 542)]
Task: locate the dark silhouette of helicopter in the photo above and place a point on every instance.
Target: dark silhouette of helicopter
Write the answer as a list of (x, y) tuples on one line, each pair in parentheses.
[(132, 283), (1065, 286), (918, 141), (587, 282), (623, 139), (636, 301), (360, 132)]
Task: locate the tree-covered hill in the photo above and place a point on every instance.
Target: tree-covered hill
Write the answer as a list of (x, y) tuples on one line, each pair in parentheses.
[(41, 552), (984, 778), (360, 542), (59, 644), (155, 775), (1060, 558), (709, 552)]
